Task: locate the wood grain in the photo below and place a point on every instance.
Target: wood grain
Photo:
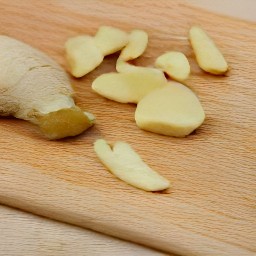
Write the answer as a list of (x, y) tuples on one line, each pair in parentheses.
[(210, 209), (26, 234)]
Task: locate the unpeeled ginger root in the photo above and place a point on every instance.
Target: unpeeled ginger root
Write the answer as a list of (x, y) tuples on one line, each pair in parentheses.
[(33, 87)]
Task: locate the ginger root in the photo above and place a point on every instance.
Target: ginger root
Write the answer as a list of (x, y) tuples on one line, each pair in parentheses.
[(33, 87)]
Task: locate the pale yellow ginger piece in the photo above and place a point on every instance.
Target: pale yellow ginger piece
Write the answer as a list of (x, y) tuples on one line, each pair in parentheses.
[(138, 41), (128, 87), (135, 48), (175, 64), (122, 161), (173, 110), (125, 67), (35, 88), (82, 55), (110, 39), (208, 56)]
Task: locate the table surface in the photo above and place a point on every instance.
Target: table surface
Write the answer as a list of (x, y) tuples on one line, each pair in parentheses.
[(26, 234)]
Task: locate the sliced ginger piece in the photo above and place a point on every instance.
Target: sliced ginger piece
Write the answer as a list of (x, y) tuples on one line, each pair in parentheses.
[(208, 56), (85, 53), (110, 40), (125, 67), (82, 55), (175, 64), (173, 110), (128, 87), (126, 164), (138, 41)]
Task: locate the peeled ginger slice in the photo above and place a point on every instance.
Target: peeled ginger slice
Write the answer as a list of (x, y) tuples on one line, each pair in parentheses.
[(125, 67), (82, 55), (127, 165), (175, 64), (208, 56), (110, 40), (128, 87), (138, 41), (173, 110)]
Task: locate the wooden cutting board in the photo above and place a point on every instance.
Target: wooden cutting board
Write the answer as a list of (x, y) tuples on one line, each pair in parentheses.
[(210, 208), (26, 234)]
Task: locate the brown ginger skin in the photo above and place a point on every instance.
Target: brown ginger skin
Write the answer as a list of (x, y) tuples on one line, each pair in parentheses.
[(35, 88)]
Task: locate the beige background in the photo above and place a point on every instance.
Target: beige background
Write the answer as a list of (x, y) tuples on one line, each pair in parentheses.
[(243, 9), (25, 234)]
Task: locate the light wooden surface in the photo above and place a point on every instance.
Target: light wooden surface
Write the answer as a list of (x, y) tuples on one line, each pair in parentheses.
[(24, 234), (210, 209)]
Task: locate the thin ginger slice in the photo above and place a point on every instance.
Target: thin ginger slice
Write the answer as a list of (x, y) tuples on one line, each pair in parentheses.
[(175, 64), (110, 39), (208, 56), (138, 41), (126, 164), (82, 55), (128, 87)]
